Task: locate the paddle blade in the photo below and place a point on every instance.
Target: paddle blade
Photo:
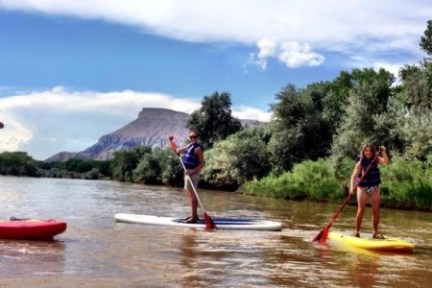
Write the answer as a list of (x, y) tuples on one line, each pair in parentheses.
[(321, 237), (324, 236), (209, 223), (317, 237)]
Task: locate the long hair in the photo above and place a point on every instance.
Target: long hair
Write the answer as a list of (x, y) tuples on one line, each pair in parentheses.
[(362, 152)]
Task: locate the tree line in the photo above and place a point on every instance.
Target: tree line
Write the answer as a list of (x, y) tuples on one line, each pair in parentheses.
[(306, 151)]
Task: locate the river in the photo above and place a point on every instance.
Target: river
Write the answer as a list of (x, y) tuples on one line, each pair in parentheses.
[(95, 251)]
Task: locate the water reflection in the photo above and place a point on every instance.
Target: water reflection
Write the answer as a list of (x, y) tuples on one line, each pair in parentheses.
[(365, 270), (20, 258), (188, 256)]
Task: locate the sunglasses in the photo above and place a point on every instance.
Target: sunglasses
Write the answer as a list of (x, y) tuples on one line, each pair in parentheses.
[(193, 137)]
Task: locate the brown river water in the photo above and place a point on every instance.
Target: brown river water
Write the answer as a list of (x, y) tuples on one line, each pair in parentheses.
[(95, 251)]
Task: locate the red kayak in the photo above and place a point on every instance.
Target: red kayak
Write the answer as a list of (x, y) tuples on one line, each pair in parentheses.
[(31, 229)]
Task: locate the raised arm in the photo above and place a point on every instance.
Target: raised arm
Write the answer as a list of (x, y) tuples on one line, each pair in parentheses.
[(383, 159)]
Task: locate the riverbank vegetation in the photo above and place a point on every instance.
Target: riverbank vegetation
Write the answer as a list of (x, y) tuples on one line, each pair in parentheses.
[(306, 152)]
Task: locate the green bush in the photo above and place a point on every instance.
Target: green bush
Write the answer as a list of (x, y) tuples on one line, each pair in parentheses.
[(313, 180), (407, 184)]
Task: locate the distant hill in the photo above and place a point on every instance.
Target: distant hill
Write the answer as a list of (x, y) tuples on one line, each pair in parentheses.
[(151, 128)]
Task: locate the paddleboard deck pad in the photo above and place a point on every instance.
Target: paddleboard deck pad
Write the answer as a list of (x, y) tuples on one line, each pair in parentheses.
[(388, 244), (221, 223), (31, 229)]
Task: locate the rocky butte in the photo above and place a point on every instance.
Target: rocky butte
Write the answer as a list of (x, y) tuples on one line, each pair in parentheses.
[(151, 128)]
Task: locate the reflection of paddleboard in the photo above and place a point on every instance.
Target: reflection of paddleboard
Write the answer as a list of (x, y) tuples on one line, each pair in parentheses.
[(31, 229), (388, 244), (221, 223)]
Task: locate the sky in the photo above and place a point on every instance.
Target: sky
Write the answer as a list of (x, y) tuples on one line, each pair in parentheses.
[(72, 71)]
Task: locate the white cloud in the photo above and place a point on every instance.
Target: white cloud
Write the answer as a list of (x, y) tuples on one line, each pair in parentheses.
[(251, 113), (267, 48), (292, 54), (14, 134), (301, 31), (47, 122)]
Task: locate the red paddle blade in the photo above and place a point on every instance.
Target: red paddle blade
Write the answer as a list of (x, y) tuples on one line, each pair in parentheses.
[(209, 223), (318, 236), (321, 237), (324, 236)]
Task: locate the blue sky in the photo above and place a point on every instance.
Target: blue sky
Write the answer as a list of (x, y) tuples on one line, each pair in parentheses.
[(72, 71)]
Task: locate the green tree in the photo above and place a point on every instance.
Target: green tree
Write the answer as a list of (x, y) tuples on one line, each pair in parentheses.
[(172, 171), (298, 123), (367, 120), (158, 166), (75, 168), (250, 158), (414, 104), (148, 170), (125, 162), (79, 165), (336, 100), (213, 120), (426, 39), (241, 157), (414, 101), (408, 71), (416, 92), (18, 164)]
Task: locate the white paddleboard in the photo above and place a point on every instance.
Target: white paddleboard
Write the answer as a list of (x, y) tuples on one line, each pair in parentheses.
[(221, 223)]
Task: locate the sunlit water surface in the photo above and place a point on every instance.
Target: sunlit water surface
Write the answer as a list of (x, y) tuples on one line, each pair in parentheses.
[(95, 251)]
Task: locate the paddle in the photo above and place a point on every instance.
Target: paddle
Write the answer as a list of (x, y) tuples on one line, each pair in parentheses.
[(321, 237), (209, 223)]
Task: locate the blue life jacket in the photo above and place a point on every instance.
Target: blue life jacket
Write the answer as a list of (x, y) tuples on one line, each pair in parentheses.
[(190, 159), (373, 176)]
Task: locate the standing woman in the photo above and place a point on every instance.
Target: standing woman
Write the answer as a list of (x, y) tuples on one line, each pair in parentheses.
[(368, 188), (193, 160)]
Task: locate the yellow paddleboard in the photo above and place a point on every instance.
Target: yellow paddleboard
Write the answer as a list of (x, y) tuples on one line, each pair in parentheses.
[(388, 244)]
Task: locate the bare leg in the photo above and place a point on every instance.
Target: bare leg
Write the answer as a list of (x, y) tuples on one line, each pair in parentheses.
[(194, 204), (362, 198), (192, 197), (375, 200)]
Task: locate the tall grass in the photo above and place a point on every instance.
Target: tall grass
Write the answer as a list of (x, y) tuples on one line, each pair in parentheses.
[(312, 180), (406, 183)]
